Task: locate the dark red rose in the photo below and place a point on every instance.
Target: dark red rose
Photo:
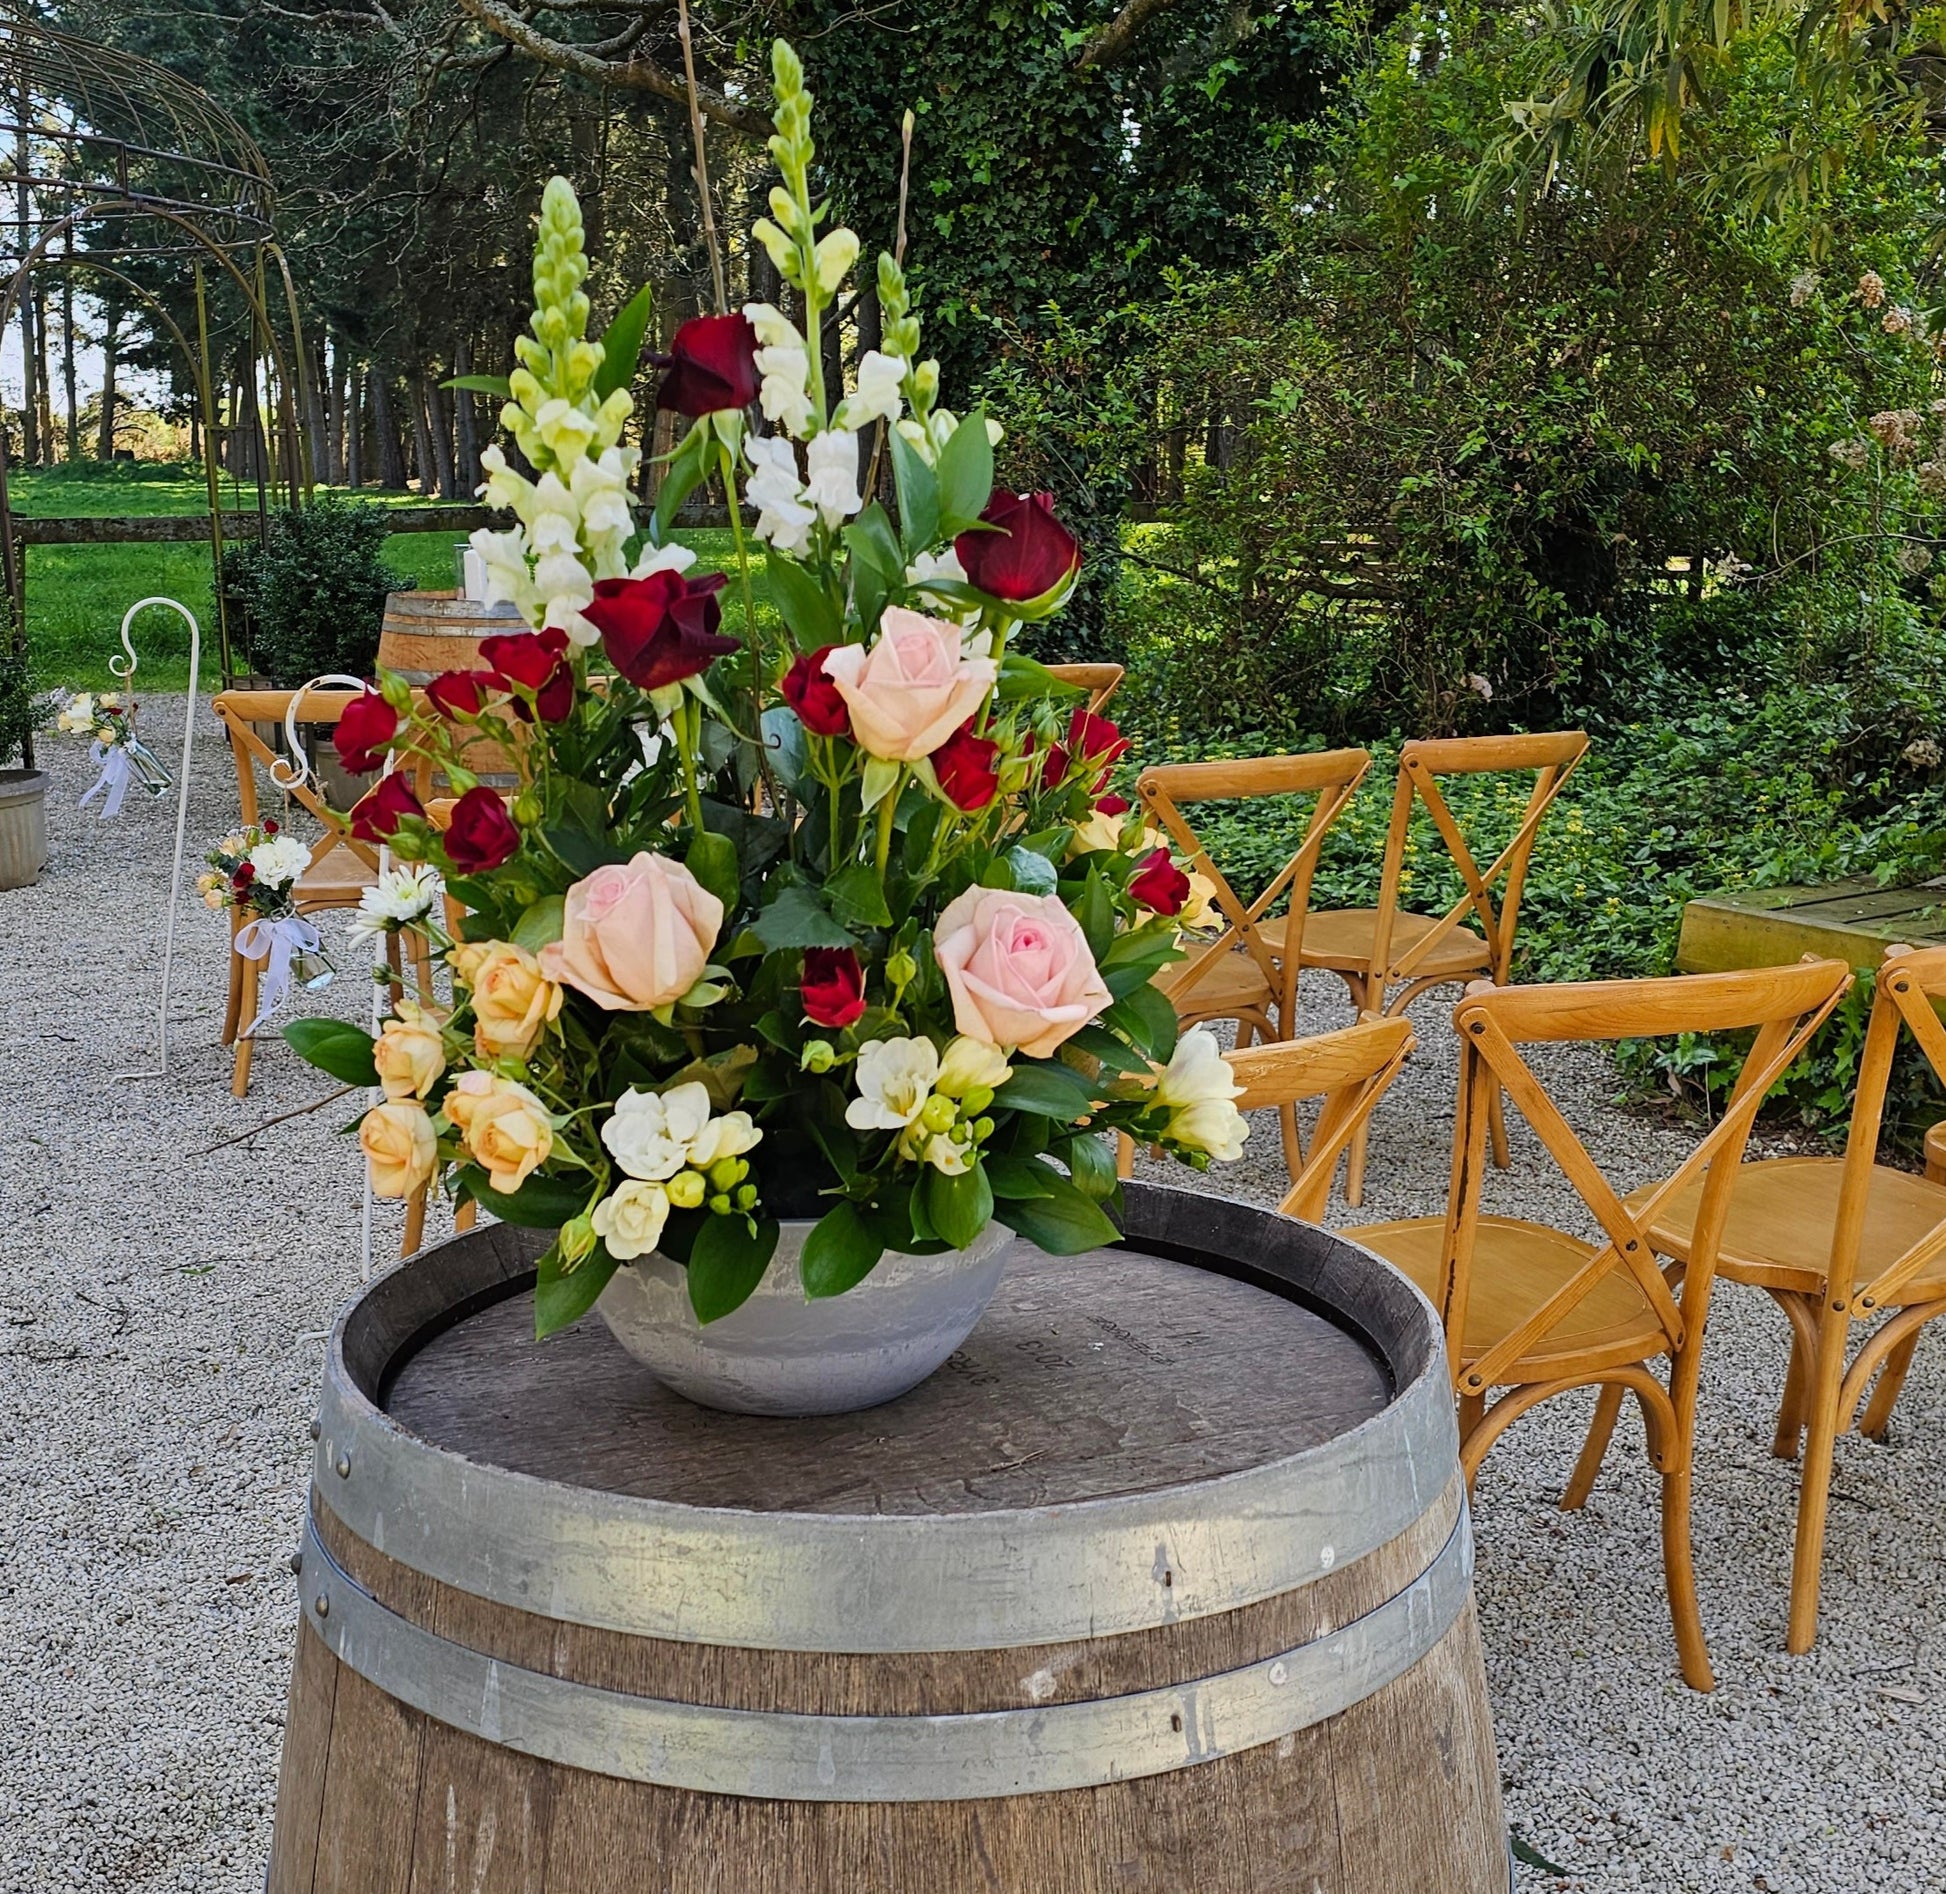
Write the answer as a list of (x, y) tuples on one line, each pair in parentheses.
[(1113, 805), (711, 364), (246, 873), (459, 693), (833, 986), (1096, 739), (270, 828), (1029, 556), (481, 834), (968, 768), (534, 661), (1055, 769), (375, 817), (659, 630), (809, 692), (1159, 884), (365, 732)]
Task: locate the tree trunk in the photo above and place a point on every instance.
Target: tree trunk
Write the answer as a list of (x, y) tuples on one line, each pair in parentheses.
[(41, 373), (315, 425), (30, 403), (354, 424), (389, 450), (68, 391), (439, 425), (422, 454), (466, 427), (333, 354), (110, 337)]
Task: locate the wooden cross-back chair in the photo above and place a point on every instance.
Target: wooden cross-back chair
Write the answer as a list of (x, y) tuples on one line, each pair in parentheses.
[(1350, 1070), (1839, 1243), (1100, 681), (1536, 1311), (1374, 950), (341, 867)]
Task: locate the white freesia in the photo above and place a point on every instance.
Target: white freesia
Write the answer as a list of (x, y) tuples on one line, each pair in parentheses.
[(833, 484), (280, 860), (398, 897), (649, 1133), (895, 1078), (631, 1222), (728, 1136), (1199, 1088), (77, 716), (783, 520), (945, 1156), (971, 1065), (877, 396)]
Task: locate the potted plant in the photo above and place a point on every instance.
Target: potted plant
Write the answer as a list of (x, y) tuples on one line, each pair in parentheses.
[(808, 963), (23, 790)]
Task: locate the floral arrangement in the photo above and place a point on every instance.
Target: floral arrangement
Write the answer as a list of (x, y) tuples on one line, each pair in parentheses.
[(829, 919), (254, 869), (108, 718)]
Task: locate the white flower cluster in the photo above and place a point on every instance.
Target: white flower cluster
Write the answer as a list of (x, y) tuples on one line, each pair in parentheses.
[(279, 860), (676, 1155), (935, 1104), (1199, 1090), (399, 897)]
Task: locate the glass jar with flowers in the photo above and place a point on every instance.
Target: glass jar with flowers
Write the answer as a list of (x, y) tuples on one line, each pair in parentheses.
[(806, 964)]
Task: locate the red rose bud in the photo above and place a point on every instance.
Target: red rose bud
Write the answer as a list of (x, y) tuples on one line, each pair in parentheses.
[(365, 732), (375, 817), (246, 873), (1159, 884), (481, 834), (270, 828), (659, 630), (711, 365), (459, 693), (833, 986), (1054, 770), (814, 697), (534, 661), (968, 768), (1114, 805), (1096, 739), (1031, 555)]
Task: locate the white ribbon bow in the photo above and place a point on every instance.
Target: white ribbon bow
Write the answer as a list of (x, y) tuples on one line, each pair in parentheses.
[(280, 940), (117, 772)]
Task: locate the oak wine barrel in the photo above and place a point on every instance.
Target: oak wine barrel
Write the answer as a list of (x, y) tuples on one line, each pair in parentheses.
[(1163, 1581), (424, 633)]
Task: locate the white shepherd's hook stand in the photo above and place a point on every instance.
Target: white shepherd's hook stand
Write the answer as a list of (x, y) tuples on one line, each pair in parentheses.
[(125, 668)]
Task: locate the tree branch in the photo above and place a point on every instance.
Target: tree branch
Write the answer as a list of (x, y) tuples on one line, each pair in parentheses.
[(637, 75), (1116, 39)]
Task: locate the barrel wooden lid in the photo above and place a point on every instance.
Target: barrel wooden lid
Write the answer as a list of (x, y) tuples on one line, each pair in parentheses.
[(1089, 1377)]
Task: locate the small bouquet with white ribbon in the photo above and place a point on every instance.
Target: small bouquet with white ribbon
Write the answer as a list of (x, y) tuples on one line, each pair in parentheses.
[(126, 761), (254, 870)]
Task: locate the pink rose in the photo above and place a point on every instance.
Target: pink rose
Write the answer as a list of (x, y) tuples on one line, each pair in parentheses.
[(912, 689), (1018, 968), (635, 936)]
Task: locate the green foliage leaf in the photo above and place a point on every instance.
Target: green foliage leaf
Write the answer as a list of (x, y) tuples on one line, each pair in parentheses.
[(1048, 1090), (1092, 1161), (682, 474), (1033, 873), (621, 342), (1063, 1223), (1147, 1017), (918, 492), (726, 1263), (562, 1298), (1022, 677), (1019, 1178), (857, 896), (541, 1203), (965, 475), (712, 859), (802, 603), (1095, 910), (541, 924), (1114, 1055), (798, 919), (959, 1208), (839, 1253), (334, 1046), (497, 386)]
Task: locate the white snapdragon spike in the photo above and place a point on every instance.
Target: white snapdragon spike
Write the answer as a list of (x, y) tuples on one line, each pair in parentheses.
[(662, 559), (783, 520), (631, 1221), (508, 577), (649, 1133), (914, 434), (785, 392), (1199, 1088), (399, 897), (971, 1065), (895, 1078), (836, 252), (775, 330), (728, 1136), (943, 564), (833, 484), (566, 428), (600, 490), (877, 396), (552, 517), (280, 860)]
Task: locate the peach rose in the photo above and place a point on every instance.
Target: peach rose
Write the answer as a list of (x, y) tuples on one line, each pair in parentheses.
[(400, 1148), (912, 689), (506, 1129), (409, 1054), (1018, 968), (512, 999), (635, 936)]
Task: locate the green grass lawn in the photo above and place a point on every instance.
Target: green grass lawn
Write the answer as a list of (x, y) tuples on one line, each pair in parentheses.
[(76, 595)]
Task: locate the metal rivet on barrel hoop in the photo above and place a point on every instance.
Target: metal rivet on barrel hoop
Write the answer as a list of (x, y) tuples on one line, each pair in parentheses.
[(317, 1430), (344, 1466), (323, 1605), (297, 1564)]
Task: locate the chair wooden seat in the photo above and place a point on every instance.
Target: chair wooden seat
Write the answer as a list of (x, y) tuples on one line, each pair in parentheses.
[(335, 880), (1784, 1218), (1340, 940), (1224, 988), (1518, 1267)]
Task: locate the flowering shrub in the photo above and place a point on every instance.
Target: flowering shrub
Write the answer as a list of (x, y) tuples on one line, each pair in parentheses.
[(840, 926)]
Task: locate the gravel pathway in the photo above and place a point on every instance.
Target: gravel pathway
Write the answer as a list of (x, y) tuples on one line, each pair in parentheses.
[(162, 1306)]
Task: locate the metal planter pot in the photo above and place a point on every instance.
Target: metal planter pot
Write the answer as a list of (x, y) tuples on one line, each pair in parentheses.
[(23, 826)]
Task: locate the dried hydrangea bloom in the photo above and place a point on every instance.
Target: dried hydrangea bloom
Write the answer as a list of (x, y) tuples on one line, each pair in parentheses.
[(1871, 289)]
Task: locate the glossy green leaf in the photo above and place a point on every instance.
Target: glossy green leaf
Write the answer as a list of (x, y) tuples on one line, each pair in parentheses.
[(682, 473), (959, 1207), (562, 1298), (334, 1046), (857, 896), (1092, 1162), (918, 492), (1147, 1017), (712, 859), (1095, 910), (802, 603), (965, 474), (1019, 1178), (497, 386), (1050, 1091), (839, 1253), (726, 1263), (1063, 1223), (541, 924), (541, 1203), (797, 919), (621, 342)]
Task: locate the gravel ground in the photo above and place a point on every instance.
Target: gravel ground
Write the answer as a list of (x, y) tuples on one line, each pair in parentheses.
[(162, 1306)]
